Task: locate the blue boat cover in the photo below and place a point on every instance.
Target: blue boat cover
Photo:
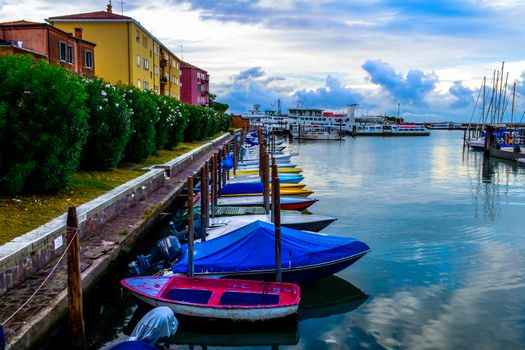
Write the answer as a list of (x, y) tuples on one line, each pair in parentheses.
[(242, 188), (252, 247)]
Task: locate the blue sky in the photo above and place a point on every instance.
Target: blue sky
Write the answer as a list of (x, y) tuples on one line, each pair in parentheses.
[(427, 56)]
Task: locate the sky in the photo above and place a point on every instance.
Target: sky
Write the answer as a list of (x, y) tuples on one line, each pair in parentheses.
[(425, 58)]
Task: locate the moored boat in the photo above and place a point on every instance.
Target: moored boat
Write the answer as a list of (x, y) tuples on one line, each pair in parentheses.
[(308, 222), (281, 170), (287, 202), (305, 256), (238, 300)]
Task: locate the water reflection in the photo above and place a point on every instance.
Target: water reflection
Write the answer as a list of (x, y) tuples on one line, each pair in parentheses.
[(329, 296)]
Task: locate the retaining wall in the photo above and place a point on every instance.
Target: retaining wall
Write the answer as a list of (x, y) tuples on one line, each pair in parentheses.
[(28, 253)]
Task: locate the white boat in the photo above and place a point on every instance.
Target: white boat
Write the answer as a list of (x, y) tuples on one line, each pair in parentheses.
[(314, 134), (391, 130), (306, 222)]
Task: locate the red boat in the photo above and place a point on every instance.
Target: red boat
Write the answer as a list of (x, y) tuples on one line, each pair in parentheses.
[(240, 300), (287, 202)]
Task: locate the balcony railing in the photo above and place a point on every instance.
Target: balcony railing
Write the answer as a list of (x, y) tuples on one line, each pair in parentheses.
[(163, 80), (163, 62)]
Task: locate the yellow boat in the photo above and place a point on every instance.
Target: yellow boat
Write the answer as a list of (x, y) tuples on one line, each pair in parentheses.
[(281, 171), (298, 192)]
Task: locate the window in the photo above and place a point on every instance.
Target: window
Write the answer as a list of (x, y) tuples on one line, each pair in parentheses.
[(70, 54), (138, 83), (144, 41), (88, 59), (166, 93), (137, 36), (146, 64), (146, 86), (155, 49), (62, 50), (174, 64), (138, 60), (175, 80), (156, 69), (65, 52), (156, 89)]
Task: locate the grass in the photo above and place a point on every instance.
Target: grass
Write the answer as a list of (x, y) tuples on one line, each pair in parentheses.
[(21, 214)]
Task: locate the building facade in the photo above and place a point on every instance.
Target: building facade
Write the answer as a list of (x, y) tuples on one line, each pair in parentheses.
[(49, 43), (195, 85), (170, 73), (126, 51)]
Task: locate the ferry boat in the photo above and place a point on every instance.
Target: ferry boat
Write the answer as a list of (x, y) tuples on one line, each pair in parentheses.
[(314, 118), (445, 126), (391, 130)]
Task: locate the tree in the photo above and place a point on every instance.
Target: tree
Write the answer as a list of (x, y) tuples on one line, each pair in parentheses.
[(217, 106)]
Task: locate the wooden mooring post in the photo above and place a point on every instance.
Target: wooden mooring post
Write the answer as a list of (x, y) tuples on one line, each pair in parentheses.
[(276, 194), (266, 182), (204, 204), (74, 287), (191, 227), (207, 171)]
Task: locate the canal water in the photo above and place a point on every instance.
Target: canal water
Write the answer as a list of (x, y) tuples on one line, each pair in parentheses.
[(446, 270)]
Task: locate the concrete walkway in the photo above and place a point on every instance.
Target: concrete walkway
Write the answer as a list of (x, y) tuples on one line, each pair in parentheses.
[(50, 304)]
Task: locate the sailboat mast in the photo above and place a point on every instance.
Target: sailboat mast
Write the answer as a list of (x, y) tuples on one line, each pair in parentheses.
[(513, 98)]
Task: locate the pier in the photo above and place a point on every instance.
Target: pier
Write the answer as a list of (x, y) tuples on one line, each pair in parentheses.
[(109, 225)]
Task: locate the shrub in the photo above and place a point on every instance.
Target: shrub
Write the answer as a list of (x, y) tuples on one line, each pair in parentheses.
[(109, 126), (193, 130), (171, 111), (171, 124), (144, 116), (42, 125)]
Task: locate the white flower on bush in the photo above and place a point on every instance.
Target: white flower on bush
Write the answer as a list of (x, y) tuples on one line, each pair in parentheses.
[(107, 86), (104, 93), (116, 105)]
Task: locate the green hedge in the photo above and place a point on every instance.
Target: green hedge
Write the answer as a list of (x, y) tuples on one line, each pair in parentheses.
[(109, 126), (53, 121), (43, 125)]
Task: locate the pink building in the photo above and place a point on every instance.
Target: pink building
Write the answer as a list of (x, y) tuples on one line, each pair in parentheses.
[(195, 85)]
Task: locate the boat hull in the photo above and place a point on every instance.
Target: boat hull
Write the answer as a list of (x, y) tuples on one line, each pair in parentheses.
[(287, 203), (299, 275), (237, 300)]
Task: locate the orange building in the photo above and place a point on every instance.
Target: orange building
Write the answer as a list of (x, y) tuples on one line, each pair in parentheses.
[(49, 43)]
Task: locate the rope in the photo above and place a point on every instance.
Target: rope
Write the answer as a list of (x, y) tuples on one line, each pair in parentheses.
[(73, 229)]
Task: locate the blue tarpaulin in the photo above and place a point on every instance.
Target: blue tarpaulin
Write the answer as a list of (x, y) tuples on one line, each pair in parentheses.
[(252, 247), (242, 188)]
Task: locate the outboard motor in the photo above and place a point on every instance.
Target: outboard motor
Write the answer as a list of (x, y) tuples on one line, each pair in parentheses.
[(166, 250)]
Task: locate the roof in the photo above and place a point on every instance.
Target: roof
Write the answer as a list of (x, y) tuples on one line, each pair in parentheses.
[(188, 65), (97, 15), (21, 23)]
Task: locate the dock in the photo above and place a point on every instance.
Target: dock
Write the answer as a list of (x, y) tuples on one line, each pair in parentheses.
[(27, 317)]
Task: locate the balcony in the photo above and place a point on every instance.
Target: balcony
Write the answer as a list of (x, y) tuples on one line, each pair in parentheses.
[(163, 80), (163, 62)]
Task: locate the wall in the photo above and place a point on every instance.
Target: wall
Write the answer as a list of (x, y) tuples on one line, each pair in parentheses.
[(111, 50)]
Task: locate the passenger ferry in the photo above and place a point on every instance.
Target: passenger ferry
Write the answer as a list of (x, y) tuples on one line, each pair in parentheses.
[(391, 130)]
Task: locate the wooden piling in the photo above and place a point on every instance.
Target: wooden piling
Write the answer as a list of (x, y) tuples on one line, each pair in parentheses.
[(191, 227), (275, 175), (207, 197), (276, 194), (204, 207), (266, 183), (76, 309), (214, 180)]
